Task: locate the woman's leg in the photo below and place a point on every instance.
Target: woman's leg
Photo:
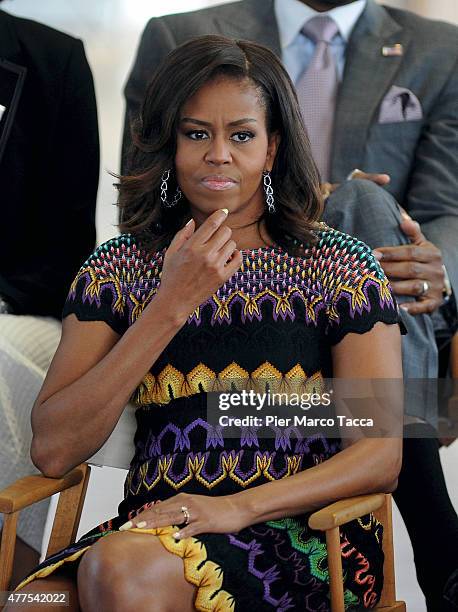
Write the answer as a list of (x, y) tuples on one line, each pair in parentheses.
[(133, 571), (52, 584)]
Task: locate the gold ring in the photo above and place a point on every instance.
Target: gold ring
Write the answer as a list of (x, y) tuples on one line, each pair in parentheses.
[(352, 174), (186, 515)]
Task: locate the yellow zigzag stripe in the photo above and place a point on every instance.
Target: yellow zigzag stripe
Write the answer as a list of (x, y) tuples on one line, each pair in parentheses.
[(199, 571), (195, 465), (47, 571), (170, 383)]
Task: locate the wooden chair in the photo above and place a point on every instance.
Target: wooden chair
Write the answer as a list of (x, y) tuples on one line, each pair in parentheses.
[(117, 452)]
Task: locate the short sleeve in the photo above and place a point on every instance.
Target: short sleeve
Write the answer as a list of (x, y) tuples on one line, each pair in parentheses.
[(361, 295), (97, 294)]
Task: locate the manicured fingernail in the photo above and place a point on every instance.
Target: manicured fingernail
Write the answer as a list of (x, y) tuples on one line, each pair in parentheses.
[(127, 525), (225, 210), (189, 221), (141, 524), (177, 535), (378, 256)]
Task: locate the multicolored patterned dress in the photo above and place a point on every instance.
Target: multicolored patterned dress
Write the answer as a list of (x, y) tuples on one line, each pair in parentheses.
[(276, 319)]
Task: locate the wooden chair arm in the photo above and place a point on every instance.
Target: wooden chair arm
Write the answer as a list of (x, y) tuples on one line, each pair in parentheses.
[(329, 519), (345, 510), (31, 489)]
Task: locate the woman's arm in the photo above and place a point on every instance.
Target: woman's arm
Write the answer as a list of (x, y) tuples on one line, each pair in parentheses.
[(368, 465), (89, 382), (95, 371)]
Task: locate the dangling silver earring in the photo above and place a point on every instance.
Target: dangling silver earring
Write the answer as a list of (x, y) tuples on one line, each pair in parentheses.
[(268, 191), (164, 186)]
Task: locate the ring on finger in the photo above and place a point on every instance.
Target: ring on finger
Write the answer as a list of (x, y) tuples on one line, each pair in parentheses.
[(187, 516), (424, 288), (353, 174)]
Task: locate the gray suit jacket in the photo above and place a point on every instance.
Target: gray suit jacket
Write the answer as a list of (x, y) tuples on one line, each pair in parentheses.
[(420, 155)]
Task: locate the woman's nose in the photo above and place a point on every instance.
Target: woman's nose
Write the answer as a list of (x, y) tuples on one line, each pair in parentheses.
[(218, 152)]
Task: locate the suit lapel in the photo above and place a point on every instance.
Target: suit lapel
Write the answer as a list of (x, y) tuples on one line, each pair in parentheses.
[(252, 20), (367, 77), (12, 76)]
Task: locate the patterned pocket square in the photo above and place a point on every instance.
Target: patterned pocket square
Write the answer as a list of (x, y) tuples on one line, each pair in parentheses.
[(400, 104)]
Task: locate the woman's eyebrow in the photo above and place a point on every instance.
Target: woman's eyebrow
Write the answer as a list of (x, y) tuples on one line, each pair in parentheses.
[(207, 124)]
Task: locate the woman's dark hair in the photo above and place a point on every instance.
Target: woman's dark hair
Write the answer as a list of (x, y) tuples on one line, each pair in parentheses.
[(295, 178)]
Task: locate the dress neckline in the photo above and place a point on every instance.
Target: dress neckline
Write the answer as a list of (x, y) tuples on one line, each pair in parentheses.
[(262, 249)]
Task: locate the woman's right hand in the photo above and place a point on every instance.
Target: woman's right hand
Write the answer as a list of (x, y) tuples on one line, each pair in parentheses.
[(197, 263)]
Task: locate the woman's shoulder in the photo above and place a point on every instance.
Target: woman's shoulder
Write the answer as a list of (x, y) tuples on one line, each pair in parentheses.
[(339, 264), (337, 250)]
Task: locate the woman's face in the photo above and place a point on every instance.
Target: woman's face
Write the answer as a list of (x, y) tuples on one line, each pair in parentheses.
[(222, 149)]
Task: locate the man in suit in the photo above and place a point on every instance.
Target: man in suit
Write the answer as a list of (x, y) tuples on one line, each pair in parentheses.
[(49, 168), (394, 110)]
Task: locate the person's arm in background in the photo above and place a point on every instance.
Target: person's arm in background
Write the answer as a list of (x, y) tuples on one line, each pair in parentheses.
[(73, 189), (432, 195), (62, 180), (432, 198), (156, 42)]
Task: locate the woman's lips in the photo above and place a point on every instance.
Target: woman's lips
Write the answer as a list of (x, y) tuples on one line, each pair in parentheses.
[(218, 183)]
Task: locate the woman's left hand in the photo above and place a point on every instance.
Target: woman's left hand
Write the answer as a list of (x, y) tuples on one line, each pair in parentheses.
[(207, 514)]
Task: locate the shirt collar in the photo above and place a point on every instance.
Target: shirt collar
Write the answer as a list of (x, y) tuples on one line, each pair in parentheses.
[(293, 14)]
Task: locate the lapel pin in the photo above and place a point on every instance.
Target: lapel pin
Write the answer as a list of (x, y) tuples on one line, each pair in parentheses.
[(396, 49)]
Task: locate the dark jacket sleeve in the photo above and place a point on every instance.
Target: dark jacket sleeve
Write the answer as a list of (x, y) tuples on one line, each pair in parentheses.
[(432, 195), (77, 158), (156, 42), (56, 185)]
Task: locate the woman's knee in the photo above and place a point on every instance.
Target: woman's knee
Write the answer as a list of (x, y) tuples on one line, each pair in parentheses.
[(104, 563), (126, 571)]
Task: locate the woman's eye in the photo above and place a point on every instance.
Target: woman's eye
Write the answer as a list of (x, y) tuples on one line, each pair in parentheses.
[(242, 136), (197, 135)]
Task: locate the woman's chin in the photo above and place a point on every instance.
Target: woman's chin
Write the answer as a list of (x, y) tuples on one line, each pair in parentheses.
[(211, 202)]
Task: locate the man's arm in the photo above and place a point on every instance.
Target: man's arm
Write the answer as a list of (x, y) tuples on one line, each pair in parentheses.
[(73, 176), (156, 42), (65, 190), (443, 232), (432, 196)]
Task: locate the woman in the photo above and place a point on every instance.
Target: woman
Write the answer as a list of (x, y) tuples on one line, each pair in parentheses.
[(222, 273)]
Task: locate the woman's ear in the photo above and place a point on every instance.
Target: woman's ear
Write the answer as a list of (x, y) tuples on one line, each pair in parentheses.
[(272, 148)]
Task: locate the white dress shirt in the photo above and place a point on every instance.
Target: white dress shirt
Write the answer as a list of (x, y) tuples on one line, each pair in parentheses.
[(297, 50)]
